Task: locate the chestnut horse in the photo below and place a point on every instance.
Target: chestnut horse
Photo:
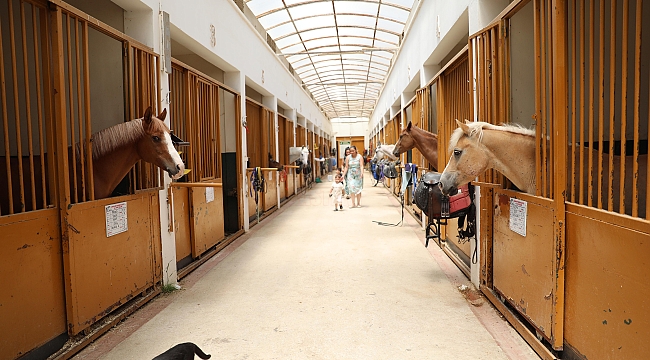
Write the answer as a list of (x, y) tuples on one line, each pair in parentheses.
[(116, 149), (414, 137)]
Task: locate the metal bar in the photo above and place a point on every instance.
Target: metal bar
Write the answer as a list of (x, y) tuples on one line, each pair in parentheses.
[(581, 70), (624, 76), (5, 125), (573, 81), (544, 77), (49, 112), (590, 176), (601, 100), (612, 82), (87, 140), (39, 105), (191, 185), (74, 192), (19, 146), (539, 137), (28, 106), (559, 95), (550, 165), (637, 105), (82, 164)]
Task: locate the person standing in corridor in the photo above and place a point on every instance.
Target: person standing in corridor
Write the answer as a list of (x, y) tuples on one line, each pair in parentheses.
[(353, 172)]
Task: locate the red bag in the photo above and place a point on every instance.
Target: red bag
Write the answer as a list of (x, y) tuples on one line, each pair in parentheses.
[(461, 201)]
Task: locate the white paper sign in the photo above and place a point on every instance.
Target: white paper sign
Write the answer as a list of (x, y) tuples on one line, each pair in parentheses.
[(518, 216), (209, 195), (116, 219)]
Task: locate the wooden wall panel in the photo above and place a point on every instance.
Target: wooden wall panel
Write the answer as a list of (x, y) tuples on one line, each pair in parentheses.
[(105, 273), (523, 266), (207, 219), (32, 300), (607, 309), (182, 226)]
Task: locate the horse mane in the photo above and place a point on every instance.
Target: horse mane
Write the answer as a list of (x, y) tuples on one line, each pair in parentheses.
[(476, 130), (109, 139)]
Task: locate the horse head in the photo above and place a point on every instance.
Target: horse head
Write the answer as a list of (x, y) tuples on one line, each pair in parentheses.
[(304, 159), (275, 164), (384, 151), (469, 158), (405, 142), (156, 145)]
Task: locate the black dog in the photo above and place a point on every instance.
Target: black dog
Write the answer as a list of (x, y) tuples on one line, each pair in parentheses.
[(184, 351)]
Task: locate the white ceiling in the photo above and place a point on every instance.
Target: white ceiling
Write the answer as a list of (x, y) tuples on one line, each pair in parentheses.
[(340, 49)]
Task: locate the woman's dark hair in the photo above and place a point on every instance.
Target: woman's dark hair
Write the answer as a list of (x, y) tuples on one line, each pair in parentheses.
[(355, 148)]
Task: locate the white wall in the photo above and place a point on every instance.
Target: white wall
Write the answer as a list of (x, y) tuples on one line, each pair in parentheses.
[(239, 46)]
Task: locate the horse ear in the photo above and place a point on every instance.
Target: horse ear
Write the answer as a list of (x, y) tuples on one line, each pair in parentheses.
[(162, 115), (408, 127), (147, 115), (465, 128)]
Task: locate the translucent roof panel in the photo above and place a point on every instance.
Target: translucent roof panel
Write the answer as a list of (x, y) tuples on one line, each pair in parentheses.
[(341, 49)]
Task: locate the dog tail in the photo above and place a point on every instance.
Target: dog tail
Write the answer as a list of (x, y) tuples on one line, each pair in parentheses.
[(200, 353)]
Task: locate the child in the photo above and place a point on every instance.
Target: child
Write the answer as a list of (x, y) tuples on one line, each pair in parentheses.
[(337, 192)]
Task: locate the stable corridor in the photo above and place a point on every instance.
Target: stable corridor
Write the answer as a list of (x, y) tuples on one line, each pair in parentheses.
[(312, 283)]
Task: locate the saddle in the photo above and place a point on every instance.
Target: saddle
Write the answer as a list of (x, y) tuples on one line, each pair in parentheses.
[(429, 198), (390, 170)]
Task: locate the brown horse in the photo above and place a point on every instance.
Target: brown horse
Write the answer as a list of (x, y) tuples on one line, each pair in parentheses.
[(116, 149), (414, 137)]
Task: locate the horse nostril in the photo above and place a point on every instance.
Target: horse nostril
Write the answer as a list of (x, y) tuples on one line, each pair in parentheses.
[(178, 167)]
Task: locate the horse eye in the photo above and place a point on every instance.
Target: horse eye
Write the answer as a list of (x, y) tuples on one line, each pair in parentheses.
[(155, 138), (457, 152)]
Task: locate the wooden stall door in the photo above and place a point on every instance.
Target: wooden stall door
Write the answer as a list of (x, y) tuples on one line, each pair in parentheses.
[(105, 270), (526, 271), (33, 299), (207, 218), (182, 226)]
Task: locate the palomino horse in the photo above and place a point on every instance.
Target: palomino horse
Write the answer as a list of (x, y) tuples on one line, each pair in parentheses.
[(116, 149), (384, 152), (414, 137), (478, 146)]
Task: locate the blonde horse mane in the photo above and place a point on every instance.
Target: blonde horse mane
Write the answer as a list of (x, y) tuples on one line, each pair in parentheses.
[(476, 130)]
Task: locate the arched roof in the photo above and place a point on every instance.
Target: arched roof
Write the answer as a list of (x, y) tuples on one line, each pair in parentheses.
[(340, 49)]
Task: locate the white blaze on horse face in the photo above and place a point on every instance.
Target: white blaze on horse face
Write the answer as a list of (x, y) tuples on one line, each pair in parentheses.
[(178, 162)]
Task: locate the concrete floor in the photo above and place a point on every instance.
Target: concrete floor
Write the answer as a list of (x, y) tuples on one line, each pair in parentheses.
[(312, 283)]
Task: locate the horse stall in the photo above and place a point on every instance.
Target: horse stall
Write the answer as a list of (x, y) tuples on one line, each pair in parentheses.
[(285, 141), (392, 130), (414, 113), (260, 139), (33, 311), (79, 253), (569, 274), (203, 113), (301, 140), (452, 101)]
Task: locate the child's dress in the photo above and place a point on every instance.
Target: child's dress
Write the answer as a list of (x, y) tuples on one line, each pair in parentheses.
[(337, 192)]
